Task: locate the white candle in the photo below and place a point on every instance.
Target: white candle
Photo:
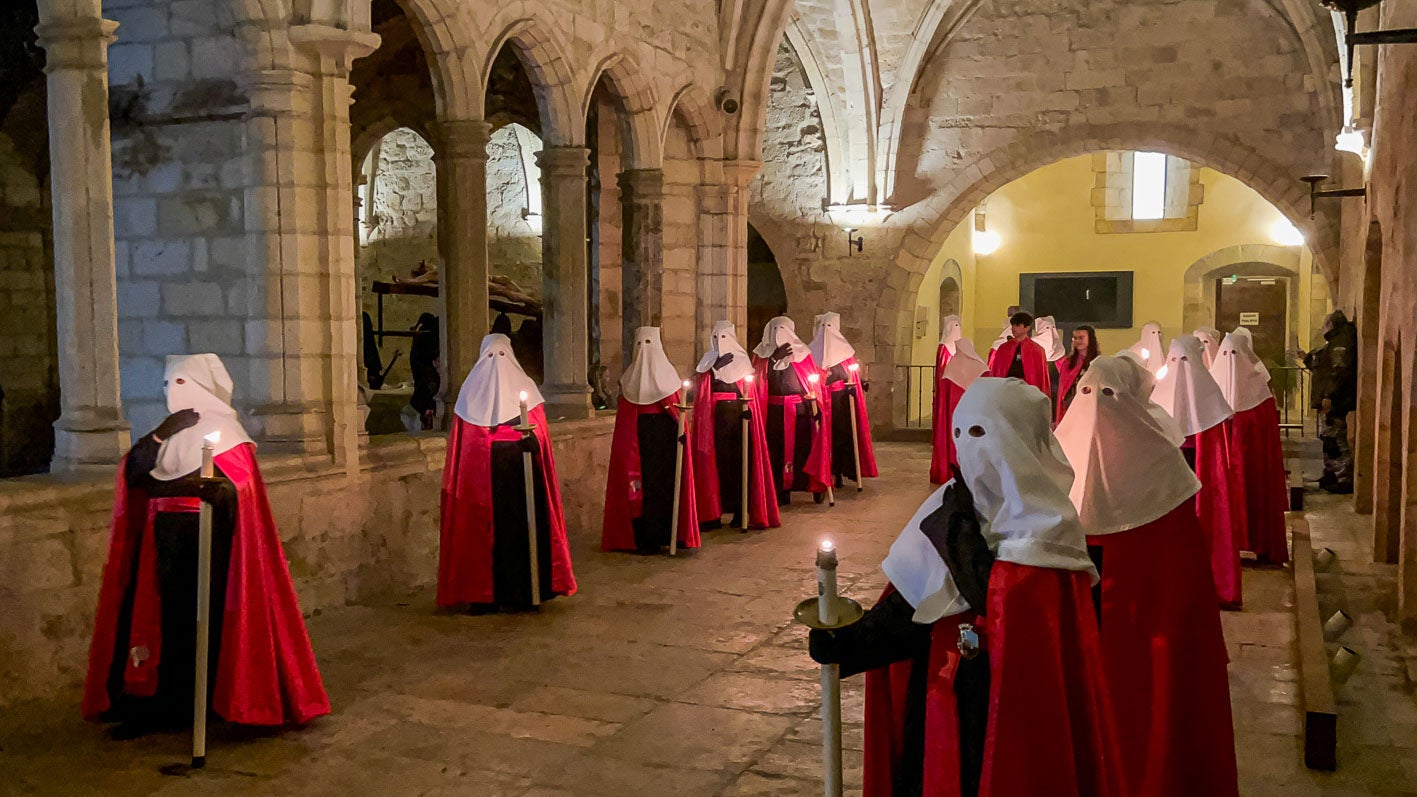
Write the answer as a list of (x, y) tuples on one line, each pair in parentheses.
[(208, 469), (687, 386), (826, 582), (812, 380), (525, 420)]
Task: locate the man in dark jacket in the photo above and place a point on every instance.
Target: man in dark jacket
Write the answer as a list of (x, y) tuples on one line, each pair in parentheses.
[(1334, 395)]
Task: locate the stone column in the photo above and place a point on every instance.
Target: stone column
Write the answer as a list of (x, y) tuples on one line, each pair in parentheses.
[(565, 342), (91, 429), (723, 245), (460, 156), (642, 277)]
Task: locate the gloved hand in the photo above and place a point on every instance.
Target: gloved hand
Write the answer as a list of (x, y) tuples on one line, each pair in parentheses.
[(747, 413), (722, 361), (781, 352), (866, 386), (528, 442), (176, 422), (822, 647), (956, 534), (215, 491)]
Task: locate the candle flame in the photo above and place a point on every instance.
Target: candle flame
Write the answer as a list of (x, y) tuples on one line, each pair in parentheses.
[(1162, 373), (687, 384), (827, 546), (748, 379), (213, 438), (812, 378), (522, 396), (854, 367), (1146, 354)]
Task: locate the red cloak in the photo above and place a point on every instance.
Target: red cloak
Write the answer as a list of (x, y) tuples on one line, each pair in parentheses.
[(467, 534), (819, 464), (1035, 363), (1255, 452), (1164, 655), (1050, 727), (762, 512), (266, 672), (1068, 373), (865, 448), (624, 495), (943, 453), (1221, 509)]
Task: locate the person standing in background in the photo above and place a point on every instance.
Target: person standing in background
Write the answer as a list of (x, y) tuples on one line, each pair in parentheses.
[(1335, 394)]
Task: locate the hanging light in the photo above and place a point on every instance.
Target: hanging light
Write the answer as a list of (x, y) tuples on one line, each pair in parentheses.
[(986, 243), (1284, 233), (1351, 140)]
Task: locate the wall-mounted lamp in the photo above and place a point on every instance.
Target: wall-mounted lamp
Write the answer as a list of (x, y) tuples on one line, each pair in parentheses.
[(1315, 194), (986, 243), (1349, 9), (1284, 233), (854, 241)]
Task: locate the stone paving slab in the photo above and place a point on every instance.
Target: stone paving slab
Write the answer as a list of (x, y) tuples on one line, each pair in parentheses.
[(683, 677)]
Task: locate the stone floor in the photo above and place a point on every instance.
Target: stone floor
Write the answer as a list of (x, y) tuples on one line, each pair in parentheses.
[(682, 677)]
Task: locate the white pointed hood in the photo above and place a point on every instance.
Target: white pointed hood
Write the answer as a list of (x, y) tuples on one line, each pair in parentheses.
[(1019, 478), (1045, 334), (829, 347), (1143, 383), (651, 378), (724, 340), (197, 382), (1150, 350), (1210, 338), (965, 366), (776, 332), (1187, 391), (1129, 472), (490, 395), (951, 330), (1241, 376), (1004, 337)]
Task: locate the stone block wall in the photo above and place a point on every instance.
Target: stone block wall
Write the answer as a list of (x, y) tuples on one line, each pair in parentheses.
[(514, 207), (348, 538), (29, 380)]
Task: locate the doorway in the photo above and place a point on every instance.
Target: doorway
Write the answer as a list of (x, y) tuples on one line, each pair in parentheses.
[(1260, 304), (767, 296)]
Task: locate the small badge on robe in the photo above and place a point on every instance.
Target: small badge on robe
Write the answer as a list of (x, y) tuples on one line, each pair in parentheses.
[(138, 655), (636, 486), (968, 643)]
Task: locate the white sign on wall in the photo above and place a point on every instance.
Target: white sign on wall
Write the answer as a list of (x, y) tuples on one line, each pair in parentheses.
[(1249, 319)]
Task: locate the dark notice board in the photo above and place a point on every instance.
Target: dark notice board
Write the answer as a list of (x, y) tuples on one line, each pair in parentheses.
[(1100, 298)]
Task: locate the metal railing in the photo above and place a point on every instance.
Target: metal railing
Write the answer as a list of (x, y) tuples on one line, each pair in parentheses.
[(915, 401)]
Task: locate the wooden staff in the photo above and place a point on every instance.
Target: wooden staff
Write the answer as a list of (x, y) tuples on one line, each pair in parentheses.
[(204, 610), (743, 507), (684, 409), (819, 418), (529, 477)]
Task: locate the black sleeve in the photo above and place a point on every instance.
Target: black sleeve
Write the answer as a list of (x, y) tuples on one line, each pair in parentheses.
[(884, 635), (142, 458)]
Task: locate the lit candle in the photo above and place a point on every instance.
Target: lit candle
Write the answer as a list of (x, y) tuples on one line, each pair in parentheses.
[(812, 380), (1146, 354), (687, 396), (826, 582), (208, 470), (1162, 373), (522, 398)]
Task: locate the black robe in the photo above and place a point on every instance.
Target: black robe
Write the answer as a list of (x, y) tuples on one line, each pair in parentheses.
[(786, 383), (728, 447), (843, 409), (658, 434), (175, 537), (511, 570)]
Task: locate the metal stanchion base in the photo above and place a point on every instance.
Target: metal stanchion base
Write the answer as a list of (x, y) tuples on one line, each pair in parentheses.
[(847, 612)]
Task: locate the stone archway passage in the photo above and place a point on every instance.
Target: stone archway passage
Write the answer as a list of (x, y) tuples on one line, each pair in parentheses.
[(767, 296)]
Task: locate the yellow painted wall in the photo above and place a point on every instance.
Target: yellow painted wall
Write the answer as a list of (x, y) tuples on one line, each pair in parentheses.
[(1046, 222)]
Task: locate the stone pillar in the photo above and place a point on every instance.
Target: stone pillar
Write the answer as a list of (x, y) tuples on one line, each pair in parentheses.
[(564, 299), (460, 156), (723, 245), (91, 429), (642, 277), (332, 50)]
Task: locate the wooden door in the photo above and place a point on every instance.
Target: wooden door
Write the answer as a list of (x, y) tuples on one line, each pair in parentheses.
[(1260, 304)]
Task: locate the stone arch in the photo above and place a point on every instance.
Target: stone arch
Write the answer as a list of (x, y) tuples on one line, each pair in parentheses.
[(542, 56), (1367, 318), (693, 109), (447, 34), (951, 289), (828, 107), (755, 68), (1387, 514), (929, 222), (627, 82), (1246, 260)]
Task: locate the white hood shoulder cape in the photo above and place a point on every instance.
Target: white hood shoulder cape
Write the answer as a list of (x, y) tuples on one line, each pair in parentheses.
[(197, 382), (651, 378), (1129, 470), (1019, 479), (1187, 391), (951, 330), (1045, 334), (1150, 350), (966, 365), (1242, 378), (829, 347), (491, 394), (724, 340), (778, 331)]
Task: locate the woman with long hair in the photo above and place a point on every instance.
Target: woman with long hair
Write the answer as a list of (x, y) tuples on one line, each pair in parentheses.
[(1072, 367)]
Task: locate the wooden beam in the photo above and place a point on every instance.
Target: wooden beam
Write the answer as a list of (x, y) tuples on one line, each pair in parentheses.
[(1316, 686)]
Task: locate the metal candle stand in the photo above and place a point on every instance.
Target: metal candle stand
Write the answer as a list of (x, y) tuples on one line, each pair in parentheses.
[(529, 477), (829, 611)]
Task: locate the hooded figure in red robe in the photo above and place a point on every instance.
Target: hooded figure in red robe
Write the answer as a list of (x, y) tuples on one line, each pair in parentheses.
[(951, 330), (844, 384), (798, 423), (484, 553), (1255, 449), (1047, 335), (1186, 390), (724, 395), (639, 493), (956, 377), (1210, 338), (141, 663), (1149, 349), (1162, 644), (1020, 357), (985, 665)]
